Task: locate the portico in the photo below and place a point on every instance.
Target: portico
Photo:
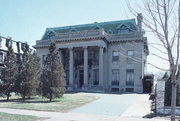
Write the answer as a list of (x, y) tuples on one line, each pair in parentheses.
[(79, 68)]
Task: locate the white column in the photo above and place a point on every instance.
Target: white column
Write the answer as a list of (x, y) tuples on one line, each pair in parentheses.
[(101, 66), (60, 54), (85, 66), (71, 60)]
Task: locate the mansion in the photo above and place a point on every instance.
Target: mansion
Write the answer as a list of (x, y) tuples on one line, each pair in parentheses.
[(100, 57)]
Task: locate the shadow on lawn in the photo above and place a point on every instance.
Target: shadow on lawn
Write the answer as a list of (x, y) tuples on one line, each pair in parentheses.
[(27, 100)]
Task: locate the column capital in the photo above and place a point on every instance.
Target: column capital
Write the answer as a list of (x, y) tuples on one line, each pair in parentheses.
[(70, 48), (85, 47), (101, 47)]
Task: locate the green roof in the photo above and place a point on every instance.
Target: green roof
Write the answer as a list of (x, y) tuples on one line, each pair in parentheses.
[(107, 26)]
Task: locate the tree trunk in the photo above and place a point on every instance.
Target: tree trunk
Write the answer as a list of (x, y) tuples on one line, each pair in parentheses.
[(173, 99), (8, 95), (50, 98)]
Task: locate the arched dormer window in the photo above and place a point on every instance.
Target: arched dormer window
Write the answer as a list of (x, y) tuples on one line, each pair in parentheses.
[(110, 31), (96, 28), (73, 30), (123, 29), (51, 35)]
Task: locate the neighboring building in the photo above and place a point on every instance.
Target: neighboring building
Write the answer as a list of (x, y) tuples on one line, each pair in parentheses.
[(100, 57), (4, 43)]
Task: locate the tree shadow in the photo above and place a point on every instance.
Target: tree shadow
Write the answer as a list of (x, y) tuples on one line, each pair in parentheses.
[(27, 100), (164, 116)]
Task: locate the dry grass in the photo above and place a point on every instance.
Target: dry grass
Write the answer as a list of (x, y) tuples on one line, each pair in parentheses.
[(67, 102)]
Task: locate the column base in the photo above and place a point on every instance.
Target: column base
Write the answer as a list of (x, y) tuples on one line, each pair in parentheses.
[(85, 87), (70, 88)]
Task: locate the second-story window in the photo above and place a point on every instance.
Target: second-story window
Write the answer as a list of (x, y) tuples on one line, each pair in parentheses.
[(115, 56), (1, 58), (96, 57), (130, 54), (44, 58)]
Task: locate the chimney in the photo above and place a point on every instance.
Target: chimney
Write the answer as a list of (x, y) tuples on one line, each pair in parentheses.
[(139, 21)]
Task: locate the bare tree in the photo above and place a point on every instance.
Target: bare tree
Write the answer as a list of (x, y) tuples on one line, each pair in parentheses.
[(162, 18)]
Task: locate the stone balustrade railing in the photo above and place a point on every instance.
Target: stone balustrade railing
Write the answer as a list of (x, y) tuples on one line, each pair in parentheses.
[(124, 36), (90, 34)]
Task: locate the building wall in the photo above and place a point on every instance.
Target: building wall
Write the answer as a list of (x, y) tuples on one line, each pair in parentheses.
[(123, 64)]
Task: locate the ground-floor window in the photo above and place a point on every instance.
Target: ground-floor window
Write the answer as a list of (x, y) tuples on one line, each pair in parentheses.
[(96, 77), (115, 77), (67, 77), (130, 77), (129, 89), (114, 89)]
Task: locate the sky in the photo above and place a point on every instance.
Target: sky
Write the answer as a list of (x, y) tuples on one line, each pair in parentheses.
[(26, 20)]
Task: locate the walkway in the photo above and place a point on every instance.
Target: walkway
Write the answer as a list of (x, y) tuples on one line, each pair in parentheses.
[(108, 104)]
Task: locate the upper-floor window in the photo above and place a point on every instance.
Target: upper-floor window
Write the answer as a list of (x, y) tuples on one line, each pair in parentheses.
[(115, 56), (96, 57), (8, 42), (44, 57), (1, 58), (51, 35), (123, 29), (110, 32), (130, 54)]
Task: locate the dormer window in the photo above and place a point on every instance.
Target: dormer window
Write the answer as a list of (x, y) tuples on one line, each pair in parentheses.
[(96, 28), (8, 43), (51, 35), (73, 30), (123, 29), (110, 32)]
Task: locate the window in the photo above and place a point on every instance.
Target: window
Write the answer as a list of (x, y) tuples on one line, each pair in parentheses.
[(129, 89), (96, 57), (1, 58), (51, 35), (130, 54), (44, 58), (130, 77), (67, 77), (96, 77), (123, 29), (8, 42), (115, 77), (115, 56), (110, 32)]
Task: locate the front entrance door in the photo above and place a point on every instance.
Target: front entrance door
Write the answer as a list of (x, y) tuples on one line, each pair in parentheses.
[(81, 78)]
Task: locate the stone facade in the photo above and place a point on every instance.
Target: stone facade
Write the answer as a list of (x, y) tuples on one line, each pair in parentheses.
[(160, 95), (100, 57)]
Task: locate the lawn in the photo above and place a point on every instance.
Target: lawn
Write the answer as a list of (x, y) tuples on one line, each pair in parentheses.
[(15, 117), (64, 104)]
